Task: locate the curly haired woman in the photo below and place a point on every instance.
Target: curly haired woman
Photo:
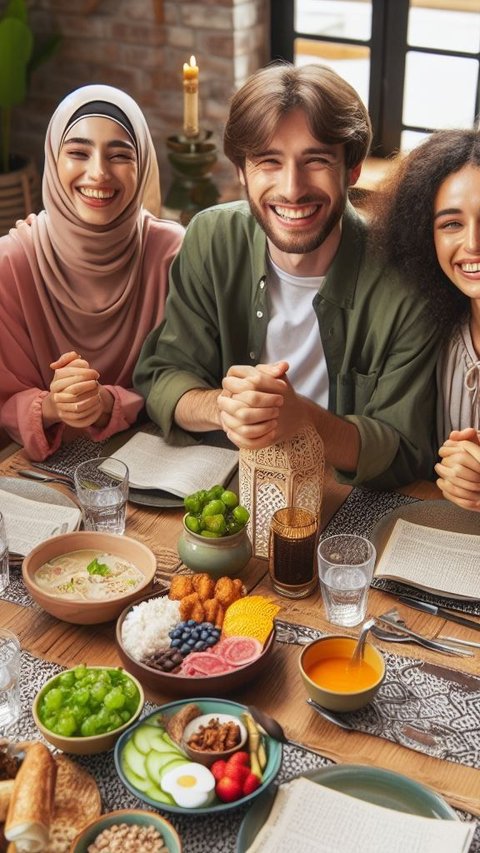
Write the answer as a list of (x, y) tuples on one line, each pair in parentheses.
[(428, 220)]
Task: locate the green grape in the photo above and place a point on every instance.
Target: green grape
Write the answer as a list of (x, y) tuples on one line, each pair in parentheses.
[(79, 671), (209, 534), (53, 700), (229, 498), (66, 724), (216, 507), (214, 492), (193, 503), (98, 691), (66, 679), (114, 721), (233, 527), (115, 699), (89, 726), (81, 695), (241, 514), (131, 690), (193, 523), (215, 524)]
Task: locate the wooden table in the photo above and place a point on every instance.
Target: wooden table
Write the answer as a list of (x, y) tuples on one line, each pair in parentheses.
[(279, 691)]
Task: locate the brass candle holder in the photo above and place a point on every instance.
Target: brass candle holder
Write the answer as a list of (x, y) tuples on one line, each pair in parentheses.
[(192, 159)]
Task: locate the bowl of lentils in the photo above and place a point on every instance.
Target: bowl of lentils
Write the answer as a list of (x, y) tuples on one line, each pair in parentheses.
[(128, 831)]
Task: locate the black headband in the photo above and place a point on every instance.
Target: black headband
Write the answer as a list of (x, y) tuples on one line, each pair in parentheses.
[(104, 110)]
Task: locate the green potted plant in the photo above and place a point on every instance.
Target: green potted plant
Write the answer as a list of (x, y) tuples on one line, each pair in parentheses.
[(20, 54)]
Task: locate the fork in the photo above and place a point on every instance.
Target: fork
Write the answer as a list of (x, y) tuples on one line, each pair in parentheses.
[(395, 620)]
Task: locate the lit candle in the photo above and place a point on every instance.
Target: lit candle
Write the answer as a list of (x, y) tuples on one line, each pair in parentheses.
[(190, 98)]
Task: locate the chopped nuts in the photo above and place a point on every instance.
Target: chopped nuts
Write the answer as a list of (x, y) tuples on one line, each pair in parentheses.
[(128, 838)]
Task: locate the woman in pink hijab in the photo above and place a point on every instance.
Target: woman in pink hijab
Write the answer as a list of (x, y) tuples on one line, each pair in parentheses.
[(85, 281)]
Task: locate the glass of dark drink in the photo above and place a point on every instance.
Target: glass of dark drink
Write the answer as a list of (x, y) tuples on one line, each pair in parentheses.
[(292, 551)]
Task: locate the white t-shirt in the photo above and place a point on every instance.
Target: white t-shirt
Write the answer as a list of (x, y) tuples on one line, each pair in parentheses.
[(293, 333)]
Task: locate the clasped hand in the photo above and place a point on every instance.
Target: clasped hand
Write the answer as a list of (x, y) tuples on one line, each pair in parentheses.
[(258, 406), (75, 391), (459, 469)]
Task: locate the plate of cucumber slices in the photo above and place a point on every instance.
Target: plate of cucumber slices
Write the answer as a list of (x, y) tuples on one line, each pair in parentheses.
[(152, 764)]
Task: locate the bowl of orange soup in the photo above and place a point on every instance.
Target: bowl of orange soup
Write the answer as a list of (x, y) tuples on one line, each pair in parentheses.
[(333, 680)]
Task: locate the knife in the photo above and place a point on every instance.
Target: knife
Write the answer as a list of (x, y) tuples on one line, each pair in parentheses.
[(438, 611)]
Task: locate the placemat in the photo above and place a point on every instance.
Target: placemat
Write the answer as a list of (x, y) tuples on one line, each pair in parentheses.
[(420, 705), (68, 456), (210, 834), (359, 514)]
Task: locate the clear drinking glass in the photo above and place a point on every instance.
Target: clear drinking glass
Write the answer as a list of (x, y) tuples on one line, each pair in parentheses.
[(4, 571), (102, 489), (293, 538), (9, 679), (345, 566)]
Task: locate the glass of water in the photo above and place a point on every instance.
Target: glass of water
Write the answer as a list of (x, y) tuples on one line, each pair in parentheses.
[(9, 679), (101, 485), (4, 573), (345, 565)]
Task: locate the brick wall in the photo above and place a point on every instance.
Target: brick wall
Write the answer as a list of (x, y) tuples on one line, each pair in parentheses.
[(120, 42)]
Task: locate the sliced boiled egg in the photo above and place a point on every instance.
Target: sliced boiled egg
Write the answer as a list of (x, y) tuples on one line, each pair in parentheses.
[(191, 785)]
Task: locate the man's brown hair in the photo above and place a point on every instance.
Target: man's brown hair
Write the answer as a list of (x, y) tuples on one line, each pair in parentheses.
[(335, 113)]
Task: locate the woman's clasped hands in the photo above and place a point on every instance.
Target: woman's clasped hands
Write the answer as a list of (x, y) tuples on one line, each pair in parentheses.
[(459, 469), (76, 398)]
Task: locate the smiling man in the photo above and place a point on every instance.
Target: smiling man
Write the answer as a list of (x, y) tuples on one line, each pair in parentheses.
[(279, 313)]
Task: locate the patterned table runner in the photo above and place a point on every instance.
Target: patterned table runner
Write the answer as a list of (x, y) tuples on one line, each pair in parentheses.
[(429, 708), (210, 834)]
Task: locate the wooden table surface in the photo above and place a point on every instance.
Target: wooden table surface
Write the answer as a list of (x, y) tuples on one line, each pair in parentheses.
[(279, 691)]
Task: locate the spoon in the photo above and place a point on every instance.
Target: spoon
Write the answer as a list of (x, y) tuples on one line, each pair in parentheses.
[(357, 656), (45, 478), (273, 728)]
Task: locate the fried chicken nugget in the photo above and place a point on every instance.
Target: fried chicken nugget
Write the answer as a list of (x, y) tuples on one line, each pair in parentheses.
[(214, 612), (204, 585), (239, 588), (187, 606), (180, 586), (226, 592)]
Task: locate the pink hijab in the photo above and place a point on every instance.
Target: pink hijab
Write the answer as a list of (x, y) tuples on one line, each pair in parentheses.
[(97, 286)]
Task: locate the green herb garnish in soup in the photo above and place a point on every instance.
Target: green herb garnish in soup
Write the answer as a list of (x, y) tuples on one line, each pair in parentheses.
[(87, 575), (96, 568)]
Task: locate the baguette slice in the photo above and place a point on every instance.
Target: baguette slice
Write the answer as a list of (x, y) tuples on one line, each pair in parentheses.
[(6, 788), (31, 804)]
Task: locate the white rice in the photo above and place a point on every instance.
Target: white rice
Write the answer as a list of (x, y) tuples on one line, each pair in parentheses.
[(145, 628)]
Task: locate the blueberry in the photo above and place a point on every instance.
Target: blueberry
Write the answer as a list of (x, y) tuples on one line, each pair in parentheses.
[(195, 634), (215, 632), (190, 642), (191, 623), (203, 635), (176, 642), (177, 632), (185, 649), (199, 646), (185, 635), (211, 641)]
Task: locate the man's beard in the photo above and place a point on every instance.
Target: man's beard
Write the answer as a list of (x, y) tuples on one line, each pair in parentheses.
[(298, 243)]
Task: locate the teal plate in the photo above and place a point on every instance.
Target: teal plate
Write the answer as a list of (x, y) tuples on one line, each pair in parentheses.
[(372, 784), (207, 706)]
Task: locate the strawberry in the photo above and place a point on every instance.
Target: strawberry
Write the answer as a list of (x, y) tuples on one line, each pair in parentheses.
[(218, 769), (240, 757), (228, 790), (250, 784), (238, 772)]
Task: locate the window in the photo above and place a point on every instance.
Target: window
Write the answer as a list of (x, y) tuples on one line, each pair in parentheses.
[(415, 63)]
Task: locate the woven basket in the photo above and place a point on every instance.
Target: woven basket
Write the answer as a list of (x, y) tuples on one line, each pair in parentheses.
[(20, 194), (290, 473)]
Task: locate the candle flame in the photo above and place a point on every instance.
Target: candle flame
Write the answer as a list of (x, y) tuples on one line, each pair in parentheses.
[(192, 62)]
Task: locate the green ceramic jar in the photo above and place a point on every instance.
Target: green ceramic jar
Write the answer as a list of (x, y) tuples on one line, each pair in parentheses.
[(227, 555)]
